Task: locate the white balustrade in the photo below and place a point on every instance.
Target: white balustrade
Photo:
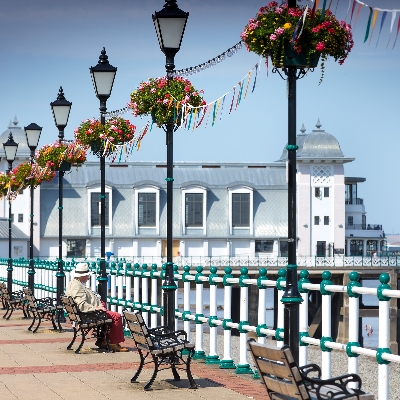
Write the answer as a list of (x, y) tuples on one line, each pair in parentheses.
[(140, 279)]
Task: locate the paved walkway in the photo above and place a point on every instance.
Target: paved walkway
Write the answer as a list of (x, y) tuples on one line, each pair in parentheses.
[(38, 366)]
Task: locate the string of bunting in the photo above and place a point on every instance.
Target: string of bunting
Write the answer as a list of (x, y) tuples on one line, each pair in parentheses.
[(210, 63), (372, 19), (194, 117), (121, 152)]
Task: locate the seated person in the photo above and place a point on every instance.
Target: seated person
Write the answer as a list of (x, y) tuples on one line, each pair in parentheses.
[(87, 301)]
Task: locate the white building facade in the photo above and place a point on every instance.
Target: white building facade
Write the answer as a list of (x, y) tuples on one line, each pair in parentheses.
[(220, 209)]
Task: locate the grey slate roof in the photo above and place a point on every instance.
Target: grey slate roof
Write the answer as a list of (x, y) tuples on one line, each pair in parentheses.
[(185, 174), (317, 145), (16, 233)]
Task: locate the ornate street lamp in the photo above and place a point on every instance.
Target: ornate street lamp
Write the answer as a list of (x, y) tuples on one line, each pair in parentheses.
[(10, 149), (61, 109), (292, 297), (103, 75), (32, 132), (170, 25)]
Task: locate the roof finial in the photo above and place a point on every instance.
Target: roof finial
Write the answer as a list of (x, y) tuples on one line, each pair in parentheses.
[(318, 124), (303, 129)]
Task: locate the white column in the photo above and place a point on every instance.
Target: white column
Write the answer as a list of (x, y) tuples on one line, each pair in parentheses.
[(199, 350), (213, 358), (120, 281), (303, 327), (227, 361), (383, 343), (262, 310), (353, 332), (186, 307), (154, 302), (113, 283), (326, 332), (145, 295), (243, 366)]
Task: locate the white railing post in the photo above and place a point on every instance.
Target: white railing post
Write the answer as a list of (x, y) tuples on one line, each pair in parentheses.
[(154, 281), (199, 353), (243, 367), (120, 284), (213, 357), (145, 294), (326, 306), (281, 307), (384, 337), (175, 269), (186, 301), (136, 287), (128, 283), (227, 361), (113, 286), (303, 318), (353, 324), (262, 304)]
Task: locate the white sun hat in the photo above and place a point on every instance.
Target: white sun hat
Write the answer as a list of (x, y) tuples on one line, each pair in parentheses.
[(81, 269)]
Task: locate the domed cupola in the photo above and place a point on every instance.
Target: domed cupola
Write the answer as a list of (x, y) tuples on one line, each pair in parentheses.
[(23, 152), (317, 145)]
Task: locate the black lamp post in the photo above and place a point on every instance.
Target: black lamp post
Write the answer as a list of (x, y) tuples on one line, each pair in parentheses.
[(61, 109), (103, 75), (32, 132), (292, 298), (170, 25), (10, 149)]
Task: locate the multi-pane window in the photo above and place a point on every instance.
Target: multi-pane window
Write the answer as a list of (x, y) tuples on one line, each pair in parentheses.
[(326, 192), (350, 221), (147, 209), (316, 220), (326, 220), (20, 217), (317, 192), (283, 248), (241, 209), (264, 246), (95, 209), (194, 210), (76, 247)]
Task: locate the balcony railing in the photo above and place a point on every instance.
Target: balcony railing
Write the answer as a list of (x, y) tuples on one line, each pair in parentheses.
[(354, 201), (368, 227)]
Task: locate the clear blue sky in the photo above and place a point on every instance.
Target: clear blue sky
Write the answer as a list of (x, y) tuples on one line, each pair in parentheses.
[(47, 43)]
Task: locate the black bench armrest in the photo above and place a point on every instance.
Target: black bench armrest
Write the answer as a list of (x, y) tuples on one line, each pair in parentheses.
[(307, 370), (334, 386)]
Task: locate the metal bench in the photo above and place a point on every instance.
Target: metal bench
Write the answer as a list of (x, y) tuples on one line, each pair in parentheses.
[(95, 322), (284, 380), (42, 308), (12, 301), (164, 346)]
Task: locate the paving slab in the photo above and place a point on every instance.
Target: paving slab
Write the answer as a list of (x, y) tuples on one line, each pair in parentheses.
[(39, 366)]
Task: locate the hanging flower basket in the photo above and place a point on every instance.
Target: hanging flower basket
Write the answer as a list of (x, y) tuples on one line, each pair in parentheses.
[(59, 155), (64, 166), (25, 175), (4, 184), (161, 98), (291, 58), (103, 138), (278, 31)]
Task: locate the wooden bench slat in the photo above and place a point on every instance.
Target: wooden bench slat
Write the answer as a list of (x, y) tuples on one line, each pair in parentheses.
[(284, 387), (272, 368)]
